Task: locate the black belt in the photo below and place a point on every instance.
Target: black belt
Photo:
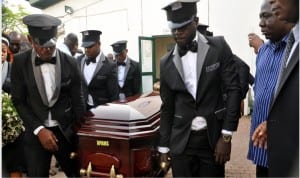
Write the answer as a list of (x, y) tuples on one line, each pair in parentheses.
[(199, 131)]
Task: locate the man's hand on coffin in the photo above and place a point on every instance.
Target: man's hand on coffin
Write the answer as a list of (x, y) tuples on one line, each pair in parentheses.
[(164, 161), (48, 140)]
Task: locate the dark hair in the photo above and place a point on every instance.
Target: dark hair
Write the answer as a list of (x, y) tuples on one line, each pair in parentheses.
[(71, 38)]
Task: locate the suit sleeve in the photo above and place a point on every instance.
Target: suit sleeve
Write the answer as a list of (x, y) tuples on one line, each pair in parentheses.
[(231, 86), (137, 83), (77, 96), (167, 109), (19, 93), (112, 83), (244, 73)]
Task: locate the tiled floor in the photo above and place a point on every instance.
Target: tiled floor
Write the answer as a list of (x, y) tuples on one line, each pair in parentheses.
[(239, 166)]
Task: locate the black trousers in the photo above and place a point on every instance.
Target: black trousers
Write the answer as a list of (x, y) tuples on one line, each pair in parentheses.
[(197, 160), (261, 171), (13, 157), (38, 159)]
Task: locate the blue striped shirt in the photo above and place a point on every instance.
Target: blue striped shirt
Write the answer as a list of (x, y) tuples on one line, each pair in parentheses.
[(268, 62)]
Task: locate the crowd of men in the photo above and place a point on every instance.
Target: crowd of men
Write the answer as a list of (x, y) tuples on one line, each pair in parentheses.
[(53, 86)]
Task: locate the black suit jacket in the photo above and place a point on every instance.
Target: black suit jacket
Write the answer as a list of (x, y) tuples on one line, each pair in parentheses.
[(283, 124), (215, 72), (245, 76), (28, 97), (133, 79), (104, 85)]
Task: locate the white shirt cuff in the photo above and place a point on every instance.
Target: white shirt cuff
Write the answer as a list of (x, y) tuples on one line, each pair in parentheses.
[(163, 149), (37, 130), (227, 132)]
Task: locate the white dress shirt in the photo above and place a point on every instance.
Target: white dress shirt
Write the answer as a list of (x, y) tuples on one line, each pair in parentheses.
[(189, 64), (121, 74), (48, 74)]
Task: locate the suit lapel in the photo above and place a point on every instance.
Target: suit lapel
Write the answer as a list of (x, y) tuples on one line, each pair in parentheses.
[(178, 63), (202, 51), (39, 79), (57, 80), (291, 65), (82, 64), (99, 65), (40, 82), (127, 67)]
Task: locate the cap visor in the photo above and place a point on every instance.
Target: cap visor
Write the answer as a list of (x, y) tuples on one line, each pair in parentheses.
[(87, 44), (115, 53), (173, 25), (49, 43)]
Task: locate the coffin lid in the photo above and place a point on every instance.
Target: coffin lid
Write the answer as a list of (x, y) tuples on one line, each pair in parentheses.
[(139, 109)]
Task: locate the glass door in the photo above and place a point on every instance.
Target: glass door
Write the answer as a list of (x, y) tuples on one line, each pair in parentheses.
[(146, 60)]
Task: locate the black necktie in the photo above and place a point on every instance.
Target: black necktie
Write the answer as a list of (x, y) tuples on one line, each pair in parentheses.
[(121, 63), (193, 47), (89, 60), (39, 61)]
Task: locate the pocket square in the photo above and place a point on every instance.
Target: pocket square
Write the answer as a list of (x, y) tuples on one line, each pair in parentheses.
[(212, 67), (66, 83), (178, 116), (100, 77), (68, 109)]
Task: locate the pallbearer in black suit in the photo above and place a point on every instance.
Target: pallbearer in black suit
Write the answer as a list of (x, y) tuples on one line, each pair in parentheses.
[(129, 72), (100, 73), (46, 91), (196, 122)]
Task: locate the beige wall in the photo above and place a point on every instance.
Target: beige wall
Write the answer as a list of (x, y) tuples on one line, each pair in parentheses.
[(129, 19)]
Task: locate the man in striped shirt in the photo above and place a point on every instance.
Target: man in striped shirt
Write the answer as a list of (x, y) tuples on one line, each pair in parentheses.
[(268, 63)]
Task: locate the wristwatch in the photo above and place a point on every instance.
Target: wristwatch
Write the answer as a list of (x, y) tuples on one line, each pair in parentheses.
[(226, 138)]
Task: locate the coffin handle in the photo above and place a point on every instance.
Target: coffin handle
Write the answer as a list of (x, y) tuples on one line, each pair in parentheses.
[(89, 170), (112, 173), (86, 171)]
